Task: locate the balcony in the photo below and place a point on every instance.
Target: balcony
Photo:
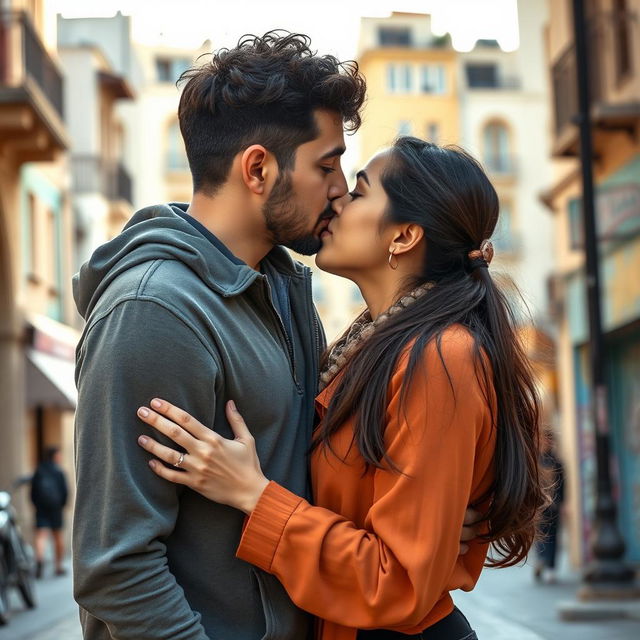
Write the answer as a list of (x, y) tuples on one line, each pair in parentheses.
[(614, 77), (93, 174), (31, 90)]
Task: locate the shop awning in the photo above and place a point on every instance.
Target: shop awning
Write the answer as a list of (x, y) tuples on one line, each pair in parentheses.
[(50, 381)]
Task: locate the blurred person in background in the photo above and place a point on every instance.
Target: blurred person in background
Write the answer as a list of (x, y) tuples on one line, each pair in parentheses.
[(427, 404), (549, 528), (49, 493)]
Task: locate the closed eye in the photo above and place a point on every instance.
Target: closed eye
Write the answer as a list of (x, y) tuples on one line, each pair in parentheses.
[(328, 169), (355, 194)]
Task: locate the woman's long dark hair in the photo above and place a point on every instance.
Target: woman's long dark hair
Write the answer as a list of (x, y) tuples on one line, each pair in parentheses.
[(446, 192)]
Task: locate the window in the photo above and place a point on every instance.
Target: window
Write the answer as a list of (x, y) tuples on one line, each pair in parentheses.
[(406, 84), (432, 79), (163, 69), (622, 42), (576, 232), (482, 76), (32, 221), (392, 78), (399, 78), (52, 250), (176, 154), (404, 128), (433, 132), (503, 237), (170, 69), (496, 152), (394, 36)]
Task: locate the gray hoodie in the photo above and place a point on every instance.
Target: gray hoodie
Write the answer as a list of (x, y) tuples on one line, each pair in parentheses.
[(168, 314)]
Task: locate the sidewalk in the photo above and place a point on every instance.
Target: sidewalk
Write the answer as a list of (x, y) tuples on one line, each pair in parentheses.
[(55, 617), (507, 605)]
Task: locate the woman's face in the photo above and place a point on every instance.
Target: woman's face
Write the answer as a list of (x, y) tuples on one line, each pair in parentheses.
[(356, 241)]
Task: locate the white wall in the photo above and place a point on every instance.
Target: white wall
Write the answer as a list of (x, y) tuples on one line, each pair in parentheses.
[(81, 99), (526, 112)]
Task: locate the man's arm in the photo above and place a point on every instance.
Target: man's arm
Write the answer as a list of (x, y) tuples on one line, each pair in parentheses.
[(123, 511)]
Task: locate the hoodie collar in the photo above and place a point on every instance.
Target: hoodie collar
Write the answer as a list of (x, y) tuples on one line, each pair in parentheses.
[(161, 232)]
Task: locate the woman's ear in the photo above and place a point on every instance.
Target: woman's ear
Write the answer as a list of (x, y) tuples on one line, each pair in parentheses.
[(407, 237), (259, 169)]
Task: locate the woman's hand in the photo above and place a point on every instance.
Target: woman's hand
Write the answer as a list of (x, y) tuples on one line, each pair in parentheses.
[(222, 470)]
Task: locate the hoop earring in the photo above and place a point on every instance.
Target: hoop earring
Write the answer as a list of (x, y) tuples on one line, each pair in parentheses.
[(392, 255)]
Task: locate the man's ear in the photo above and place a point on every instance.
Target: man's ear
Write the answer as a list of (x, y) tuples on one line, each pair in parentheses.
[(407, 237), (259, 169)]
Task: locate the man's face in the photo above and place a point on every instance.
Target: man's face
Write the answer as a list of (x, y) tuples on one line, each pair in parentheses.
[(299, 207)]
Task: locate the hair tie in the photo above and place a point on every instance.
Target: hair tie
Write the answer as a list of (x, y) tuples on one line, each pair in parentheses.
[(483, 256)]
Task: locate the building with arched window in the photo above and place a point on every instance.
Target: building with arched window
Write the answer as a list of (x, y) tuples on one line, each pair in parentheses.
[(504, 114), (157, 156)]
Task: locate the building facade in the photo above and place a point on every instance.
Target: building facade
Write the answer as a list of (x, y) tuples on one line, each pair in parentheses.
[(155, 151), (614, 71), (504, 96), (96, 59), (37, 339)]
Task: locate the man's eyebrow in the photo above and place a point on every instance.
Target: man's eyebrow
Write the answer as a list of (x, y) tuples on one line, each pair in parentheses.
[(363, 174), (336, 151)]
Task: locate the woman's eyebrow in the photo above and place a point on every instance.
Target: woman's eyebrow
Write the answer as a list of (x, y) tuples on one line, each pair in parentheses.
[(363, 174)]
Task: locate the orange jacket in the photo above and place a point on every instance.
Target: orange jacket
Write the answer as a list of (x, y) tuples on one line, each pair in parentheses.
[(380, 550)]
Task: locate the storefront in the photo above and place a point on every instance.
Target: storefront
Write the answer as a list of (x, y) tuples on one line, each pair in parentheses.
[(618, 210), (51, 394)]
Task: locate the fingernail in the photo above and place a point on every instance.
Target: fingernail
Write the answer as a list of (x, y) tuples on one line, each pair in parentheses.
[(152, 464), (143, 412), (143, 440), (156, 404), (232, 405)]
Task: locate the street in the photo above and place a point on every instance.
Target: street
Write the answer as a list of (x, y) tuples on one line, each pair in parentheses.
[(506, 605)]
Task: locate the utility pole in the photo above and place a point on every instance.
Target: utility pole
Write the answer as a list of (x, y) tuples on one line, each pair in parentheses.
[(607, 575)]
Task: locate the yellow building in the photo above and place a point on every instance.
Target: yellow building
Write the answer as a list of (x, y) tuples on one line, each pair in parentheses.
[(615, 112), (412, 82), (36, 231)]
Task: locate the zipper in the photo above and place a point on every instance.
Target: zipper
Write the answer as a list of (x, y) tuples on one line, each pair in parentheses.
[(315, 321), (283, 332)]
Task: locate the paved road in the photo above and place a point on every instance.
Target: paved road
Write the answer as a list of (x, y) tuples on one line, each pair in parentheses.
[(55, 617), (506, 605)]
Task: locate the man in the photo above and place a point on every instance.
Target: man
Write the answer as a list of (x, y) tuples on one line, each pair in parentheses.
[(49, 495), (198, 305)]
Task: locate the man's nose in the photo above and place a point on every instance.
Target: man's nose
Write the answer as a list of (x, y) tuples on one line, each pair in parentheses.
[(339, 187)]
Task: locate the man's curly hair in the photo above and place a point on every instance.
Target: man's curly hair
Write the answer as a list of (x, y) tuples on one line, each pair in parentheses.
[(263, 91)]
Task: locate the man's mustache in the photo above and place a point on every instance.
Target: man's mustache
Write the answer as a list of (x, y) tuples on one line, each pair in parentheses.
[(328, 213)]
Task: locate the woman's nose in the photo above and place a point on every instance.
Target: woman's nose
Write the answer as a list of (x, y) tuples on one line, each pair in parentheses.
[(337, 204)]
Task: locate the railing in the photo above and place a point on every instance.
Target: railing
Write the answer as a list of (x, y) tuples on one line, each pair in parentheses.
[(501, 83), (93, 174), (23, 54), (613, 39)]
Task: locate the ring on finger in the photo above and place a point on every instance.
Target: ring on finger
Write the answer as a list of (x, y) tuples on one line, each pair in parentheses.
[(180, 461)]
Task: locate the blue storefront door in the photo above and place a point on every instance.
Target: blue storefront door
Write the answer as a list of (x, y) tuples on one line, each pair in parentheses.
[(625, 422)]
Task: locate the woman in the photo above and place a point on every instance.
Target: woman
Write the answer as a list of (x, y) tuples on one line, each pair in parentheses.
[(426, 404)]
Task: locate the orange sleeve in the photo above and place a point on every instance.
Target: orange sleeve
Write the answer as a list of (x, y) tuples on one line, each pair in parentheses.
[(393, 572)]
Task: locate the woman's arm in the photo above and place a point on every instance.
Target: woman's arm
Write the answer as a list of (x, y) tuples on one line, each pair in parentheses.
[(391, 573)]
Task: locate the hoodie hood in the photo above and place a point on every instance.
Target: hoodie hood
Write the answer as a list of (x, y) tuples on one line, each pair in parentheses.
[(159, 233)]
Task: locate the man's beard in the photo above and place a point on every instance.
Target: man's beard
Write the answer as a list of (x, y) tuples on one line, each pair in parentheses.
[(286, 223)]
